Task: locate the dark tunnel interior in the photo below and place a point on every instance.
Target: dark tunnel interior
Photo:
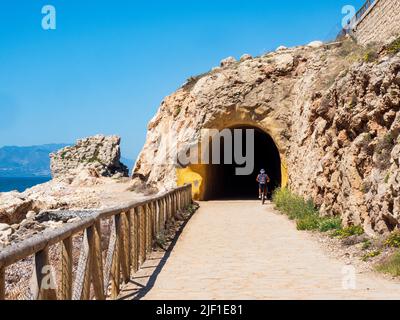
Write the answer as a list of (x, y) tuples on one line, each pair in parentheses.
[(226, 184)]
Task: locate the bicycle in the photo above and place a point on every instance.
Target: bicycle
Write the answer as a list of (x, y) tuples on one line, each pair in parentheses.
[(263, 195)]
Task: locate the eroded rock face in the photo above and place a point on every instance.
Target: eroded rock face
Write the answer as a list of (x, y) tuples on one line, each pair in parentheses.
[(99, 155), (355, 126), (335, 121)]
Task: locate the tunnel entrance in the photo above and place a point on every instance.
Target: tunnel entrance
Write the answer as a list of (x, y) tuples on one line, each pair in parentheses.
[(223, 183)]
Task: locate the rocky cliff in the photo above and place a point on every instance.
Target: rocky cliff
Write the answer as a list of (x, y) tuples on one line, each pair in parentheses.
[(99, 154), (332, 111)]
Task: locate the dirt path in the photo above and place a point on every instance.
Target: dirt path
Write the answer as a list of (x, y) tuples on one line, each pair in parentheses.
[(241, 250)]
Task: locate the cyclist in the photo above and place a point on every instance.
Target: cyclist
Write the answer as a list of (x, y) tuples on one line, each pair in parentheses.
[(262, 180)]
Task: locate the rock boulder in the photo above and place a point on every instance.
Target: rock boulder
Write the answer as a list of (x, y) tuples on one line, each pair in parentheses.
[(98, 155)]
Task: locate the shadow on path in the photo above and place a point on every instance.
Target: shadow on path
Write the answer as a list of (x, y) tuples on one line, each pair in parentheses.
[(143, 281)]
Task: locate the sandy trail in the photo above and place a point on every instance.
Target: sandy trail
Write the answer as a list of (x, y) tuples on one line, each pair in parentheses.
[(241, 250)]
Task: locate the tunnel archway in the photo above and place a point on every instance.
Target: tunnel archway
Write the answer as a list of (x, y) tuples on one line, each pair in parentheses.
[(223, 182)]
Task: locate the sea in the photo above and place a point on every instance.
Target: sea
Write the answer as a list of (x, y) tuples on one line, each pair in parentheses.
[(20, 184)]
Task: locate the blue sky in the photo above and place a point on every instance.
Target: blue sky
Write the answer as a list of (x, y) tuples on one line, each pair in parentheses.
[(109, 63)]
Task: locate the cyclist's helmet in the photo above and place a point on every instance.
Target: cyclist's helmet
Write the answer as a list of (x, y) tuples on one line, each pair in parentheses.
[(262, 171)]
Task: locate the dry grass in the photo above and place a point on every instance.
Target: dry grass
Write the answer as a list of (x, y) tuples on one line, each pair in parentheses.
[(391, 265)]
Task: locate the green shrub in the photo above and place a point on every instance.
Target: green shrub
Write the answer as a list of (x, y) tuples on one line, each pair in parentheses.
[(394, 47), (391, 266), (393, 240), (366, 244), (310, 222), (161, 240), (192, 208), (371, 53), (354, 101), (327, 224), (370, 56), (348, 48), (304, 212), (348, 232), (177, 111), (370, 255), (292, 205)]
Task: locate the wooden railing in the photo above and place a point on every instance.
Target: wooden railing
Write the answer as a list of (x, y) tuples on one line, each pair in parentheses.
[(357, 18), (360, 13), (97, 276)]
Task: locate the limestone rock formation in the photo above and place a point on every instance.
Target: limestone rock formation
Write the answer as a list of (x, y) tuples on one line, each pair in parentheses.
[(228, 61), (245, 57), (333, 115), (100, 155), (316, 44)]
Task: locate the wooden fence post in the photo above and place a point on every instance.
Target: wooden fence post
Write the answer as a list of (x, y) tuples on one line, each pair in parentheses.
[(96, 261), (82, 281), (124, 245), (134, 243), (154, 230), (112, 244), (156, 218), (149, 239), (189, 196), (160, 217), (142, 236), (116, 263), (163, 221), (153, 223), (66, 269), (44, 286), (168, 203), (175, 203), (166, 218)]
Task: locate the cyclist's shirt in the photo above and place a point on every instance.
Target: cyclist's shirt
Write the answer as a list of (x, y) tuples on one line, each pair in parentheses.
[(262, 178)]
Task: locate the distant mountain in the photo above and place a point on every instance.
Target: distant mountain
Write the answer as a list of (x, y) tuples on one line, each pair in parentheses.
[(32, 161)]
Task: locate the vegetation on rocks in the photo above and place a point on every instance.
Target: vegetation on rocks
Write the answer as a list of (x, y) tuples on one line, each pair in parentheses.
[(370, 255), (354, 52), (348, 232), (393, 241), (394, 47), (391, 265), (366, 244), (304, 212)]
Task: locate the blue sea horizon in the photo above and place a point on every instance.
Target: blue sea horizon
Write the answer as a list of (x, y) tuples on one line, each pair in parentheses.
[(20, 184)]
